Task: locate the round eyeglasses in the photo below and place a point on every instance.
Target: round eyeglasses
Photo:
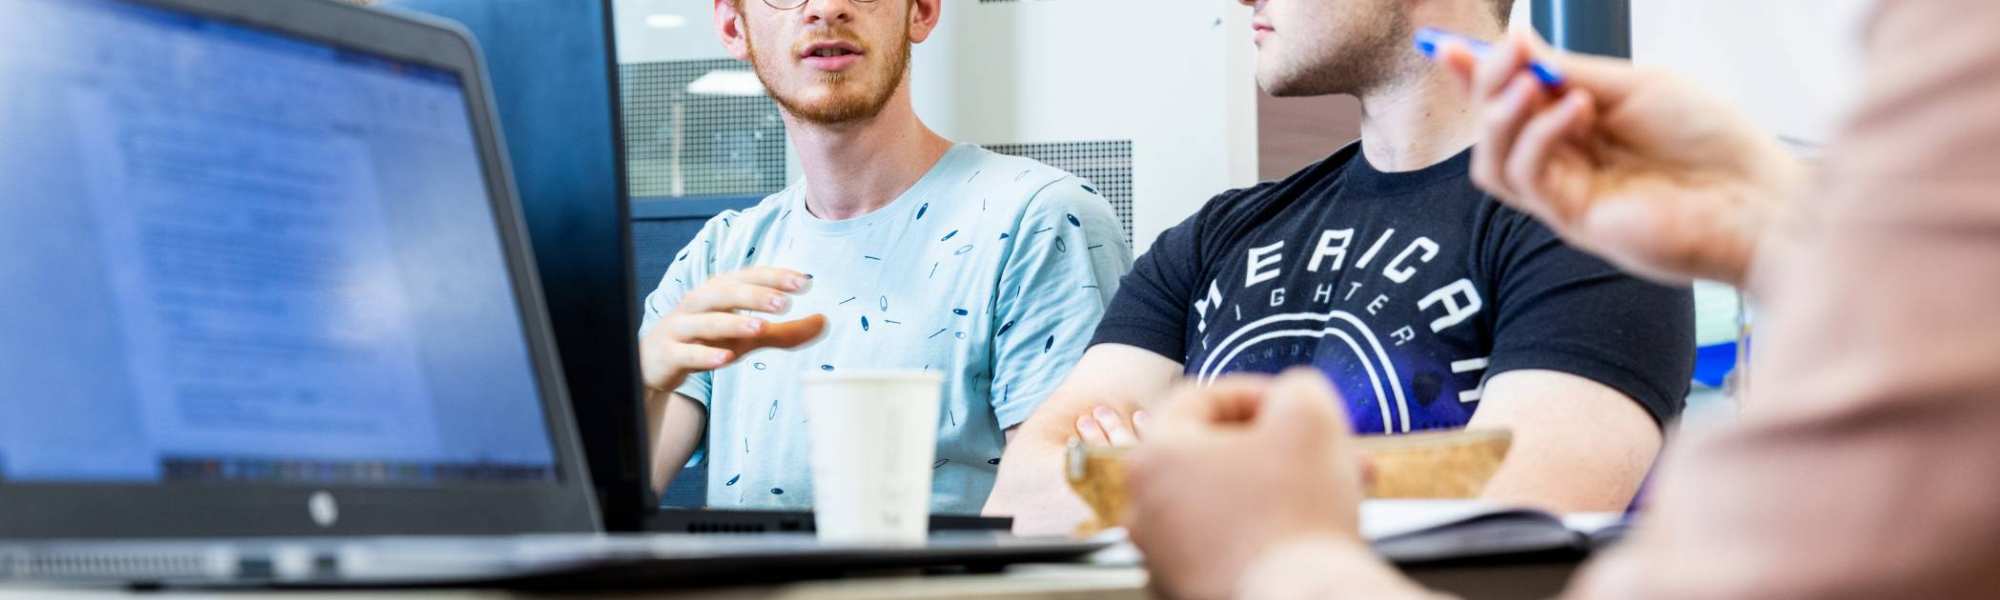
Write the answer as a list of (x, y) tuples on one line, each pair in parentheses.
[(791, 4)]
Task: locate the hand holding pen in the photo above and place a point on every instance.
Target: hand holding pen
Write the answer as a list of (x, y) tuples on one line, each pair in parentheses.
[(1630, 163)]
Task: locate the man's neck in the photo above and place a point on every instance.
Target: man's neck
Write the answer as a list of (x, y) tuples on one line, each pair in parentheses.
[(1416, 122), (856, 168)]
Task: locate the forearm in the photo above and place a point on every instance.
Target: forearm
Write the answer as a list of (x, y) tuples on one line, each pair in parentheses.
[(1579, 446), (676, 432), (1565, 484), (656, 412), (1030, 484)]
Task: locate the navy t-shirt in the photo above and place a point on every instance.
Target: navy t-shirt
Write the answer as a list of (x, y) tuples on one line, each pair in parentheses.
[(1408, 290)]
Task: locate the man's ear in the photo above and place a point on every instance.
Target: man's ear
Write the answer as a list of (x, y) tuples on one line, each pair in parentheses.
[(733, 28), (924, 16)]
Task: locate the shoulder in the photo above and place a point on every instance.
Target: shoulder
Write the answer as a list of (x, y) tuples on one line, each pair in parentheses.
[(733, 224), (1508, 231), (1012, 179), (1030, 189), (1251, 205), (731, 230)]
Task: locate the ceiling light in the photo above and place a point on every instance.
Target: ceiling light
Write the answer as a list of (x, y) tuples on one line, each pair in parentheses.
[(666, 21), (727, 82)]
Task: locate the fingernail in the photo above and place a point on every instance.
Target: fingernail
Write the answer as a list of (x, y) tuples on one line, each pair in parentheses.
[(800, 284), (753, 326), (778, 303), (1105, 413), (1085, 423), (719, 359), (1141, 417)]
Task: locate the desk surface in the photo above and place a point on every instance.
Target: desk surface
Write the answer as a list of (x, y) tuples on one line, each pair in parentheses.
[(1041, 581), (1530, 581)]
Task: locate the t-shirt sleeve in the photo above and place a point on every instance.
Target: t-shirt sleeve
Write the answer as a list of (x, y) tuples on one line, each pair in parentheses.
[(692, 266), (1561, 309), (1151, 308), (1062, 267)]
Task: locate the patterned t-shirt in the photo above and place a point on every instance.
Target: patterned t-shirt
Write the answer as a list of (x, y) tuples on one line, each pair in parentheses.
[(991, 269)]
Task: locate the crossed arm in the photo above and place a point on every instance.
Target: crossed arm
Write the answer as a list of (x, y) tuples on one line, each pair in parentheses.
[(1578, 444)]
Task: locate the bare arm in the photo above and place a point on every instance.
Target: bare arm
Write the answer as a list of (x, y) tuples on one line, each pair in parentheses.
[(1578, 444), (1030, 486), (676, 424), (706, 329)]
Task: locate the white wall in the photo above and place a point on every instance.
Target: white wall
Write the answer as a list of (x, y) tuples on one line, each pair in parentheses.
[(1174, 76), (638, 42), (1792, 64)]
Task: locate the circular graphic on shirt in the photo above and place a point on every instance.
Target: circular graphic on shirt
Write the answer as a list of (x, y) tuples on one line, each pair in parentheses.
[(1350, 355)]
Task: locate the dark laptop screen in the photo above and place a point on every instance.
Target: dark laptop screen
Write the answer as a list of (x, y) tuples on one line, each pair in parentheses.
[(230, 255)]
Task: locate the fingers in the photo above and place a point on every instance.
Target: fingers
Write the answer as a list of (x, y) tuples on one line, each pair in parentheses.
[(1105, 426), (1502, 123), (760, 289), (712, 326), (697, 357), (1140, 421), (1526, 171), (1115, 427), (777, 278), (1459, 60), (1231, 400), (1497, 70), (1090, 433), (1610, 80), (1302, 403), (732, 294), (791, 334)]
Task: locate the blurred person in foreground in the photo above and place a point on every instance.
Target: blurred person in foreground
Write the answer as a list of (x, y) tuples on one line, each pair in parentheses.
[(1860, 467)]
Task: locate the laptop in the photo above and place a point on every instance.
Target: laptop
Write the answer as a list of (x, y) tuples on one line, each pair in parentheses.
[(272, 319)]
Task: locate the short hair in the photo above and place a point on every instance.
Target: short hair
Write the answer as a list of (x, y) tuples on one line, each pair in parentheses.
[(1504, 9)]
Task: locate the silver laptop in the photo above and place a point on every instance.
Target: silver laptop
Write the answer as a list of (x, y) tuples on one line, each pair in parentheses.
[(269, 317)]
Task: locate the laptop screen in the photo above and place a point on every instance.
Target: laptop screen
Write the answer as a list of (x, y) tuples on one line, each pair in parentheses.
[(231, 255)]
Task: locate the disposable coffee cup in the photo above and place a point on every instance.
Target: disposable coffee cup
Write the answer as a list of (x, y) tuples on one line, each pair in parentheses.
[(874, 435)]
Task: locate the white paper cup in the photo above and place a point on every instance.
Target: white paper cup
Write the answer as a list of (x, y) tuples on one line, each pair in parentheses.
[(874, 435)]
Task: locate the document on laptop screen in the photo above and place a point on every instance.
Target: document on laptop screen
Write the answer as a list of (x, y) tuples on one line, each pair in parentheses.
[(230, 255)]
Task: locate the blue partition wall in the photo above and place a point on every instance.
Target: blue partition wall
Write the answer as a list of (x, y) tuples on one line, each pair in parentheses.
[(1601, 27), (554, 80)]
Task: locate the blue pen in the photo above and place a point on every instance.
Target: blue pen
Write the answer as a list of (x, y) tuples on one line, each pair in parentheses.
[(1430, 38)]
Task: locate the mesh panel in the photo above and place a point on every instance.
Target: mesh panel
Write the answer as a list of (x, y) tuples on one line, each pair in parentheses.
[(1107, 165), (681, 144)]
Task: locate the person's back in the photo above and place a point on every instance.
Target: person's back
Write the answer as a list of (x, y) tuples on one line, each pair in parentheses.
[(1864, 465)]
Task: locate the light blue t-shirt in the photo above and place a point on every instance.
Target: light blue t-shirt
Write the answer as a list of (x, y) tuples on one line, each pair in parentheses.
[(991, 269)]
